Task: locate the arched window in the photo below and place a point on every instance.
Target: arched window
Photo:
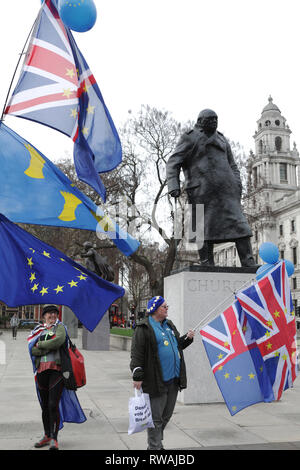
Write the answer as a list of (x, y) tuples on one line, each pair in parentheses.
[(278, 143), (260, 146)]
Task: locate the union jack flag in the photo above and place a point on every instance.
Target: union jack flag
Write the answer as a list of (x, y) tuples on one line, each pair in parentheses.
[(235, 360), (56, 88), (269, 308)]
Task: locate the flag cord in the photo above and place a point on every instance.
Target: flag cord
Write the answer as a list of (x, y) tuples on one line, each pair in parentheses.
[(17, 66)]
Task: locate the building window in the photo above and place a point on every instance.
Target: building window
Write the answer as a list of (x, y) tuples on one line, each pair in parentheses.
[(292, 226), (278, 143), (255, 177), (281, 230), (282, 254), (283, 172), (294, 283), (29, 312), (294, 256)]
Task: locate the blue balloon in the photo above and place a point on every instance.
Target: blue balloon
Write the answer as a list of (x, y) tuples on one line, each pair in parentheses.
[(290, 268), (269, 253), (78, 15), (263, 270)]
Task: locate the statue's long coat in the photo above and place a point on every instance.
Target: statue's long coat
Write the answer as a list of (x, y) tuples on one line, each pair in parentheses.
[(213, 179)]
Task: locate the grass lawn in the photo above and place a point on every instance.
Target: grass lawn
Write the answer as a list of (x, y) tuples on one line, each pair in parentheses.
[(121, 331)]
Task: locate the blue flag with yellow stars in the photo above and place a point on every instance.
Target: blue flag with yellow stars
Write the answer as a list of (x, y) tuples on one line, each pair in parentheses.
[(32, 272), (35, 191)]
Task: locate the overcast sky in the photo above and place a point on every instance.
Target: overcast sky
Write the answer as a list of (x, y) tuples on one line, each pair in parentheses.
[(180, 56)]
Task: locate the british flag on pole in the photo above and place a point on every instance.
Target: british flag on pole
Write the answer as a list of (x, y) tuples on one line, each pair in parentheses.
[(236, 360), (269, 309), (56, 88), (256, 338)]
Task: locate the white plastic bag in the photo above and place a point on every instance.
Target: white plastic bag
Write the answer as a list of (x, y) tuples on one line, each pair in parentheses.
[(140, 415)]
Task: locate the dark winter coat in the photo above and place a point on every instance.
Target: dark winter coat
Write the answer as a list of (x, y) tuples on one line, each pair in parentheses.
[(213, 179), (144, 357)]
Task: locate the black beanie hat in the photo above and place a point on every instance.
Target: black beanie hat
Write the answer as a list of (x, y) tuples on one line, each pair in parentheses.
[(50, 308)]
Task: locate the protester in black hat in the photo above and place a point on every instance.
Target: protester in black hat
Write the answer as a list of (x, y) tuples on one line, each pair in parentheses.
[(49, 376), (158, 366)]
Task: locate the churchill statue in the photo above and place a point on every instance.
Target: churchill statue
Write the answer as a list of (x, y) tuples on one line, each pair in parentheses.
[(212, 178)]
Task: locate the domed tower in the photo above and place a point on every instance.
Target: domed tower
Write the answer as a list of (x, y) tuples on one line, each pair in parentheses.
[(274, 164), (272, 175)]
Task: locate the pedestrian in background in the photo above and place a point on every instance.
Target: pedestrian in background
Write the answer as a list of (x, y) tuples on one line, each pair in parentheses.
[(14, 323)]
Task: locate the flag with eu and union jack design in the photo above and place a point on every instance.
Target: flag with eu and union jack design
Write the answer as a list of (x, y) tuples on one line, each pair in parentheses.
[(56, 88), (236, 360), (269, 309)]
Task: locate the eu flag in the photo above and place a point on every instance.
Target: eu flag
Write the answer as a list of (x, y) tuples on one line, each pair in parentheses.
[(35, 191), (236, 360), (32, 272), (56, 88)]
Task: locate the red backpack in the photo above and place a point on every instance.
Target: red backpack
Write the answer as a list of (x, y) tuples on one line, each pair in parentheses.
[(77, 361)]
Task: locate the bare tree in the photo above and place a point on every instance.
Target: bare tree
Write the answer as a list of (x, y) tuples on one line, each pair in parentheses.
[(148, 140)]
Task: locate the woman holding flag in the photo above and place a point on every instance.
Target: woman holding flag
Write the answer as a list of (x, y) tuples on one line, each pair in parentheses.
[(58, 404)]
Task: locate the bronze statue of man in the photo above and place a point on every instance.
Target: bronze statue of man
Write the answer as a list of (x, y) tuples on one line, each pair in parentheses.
[(97, 263), (212, 178)]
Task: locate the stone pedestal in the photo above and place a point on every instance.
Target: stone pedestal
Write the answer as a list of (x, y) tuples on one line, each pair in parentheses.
[(97, 340), (71, 321), (191, 294)]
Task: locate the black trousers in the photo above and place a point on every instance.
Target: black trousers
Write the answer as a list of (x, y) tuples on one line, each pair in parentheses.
[(50, 385), (162, 408)]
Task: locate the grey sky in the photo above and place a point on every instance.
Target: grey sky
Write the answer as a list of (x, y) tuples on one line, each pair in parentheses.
[(182, 56)]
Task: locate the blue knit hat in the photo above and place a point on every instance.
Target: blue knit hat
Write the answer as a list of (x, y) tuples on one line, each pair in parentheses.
[(154, 303)]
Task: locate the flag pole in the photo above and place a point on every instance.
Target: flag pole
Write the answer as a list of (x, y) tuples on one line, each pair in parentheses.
[(203, 320), (225, 300), (16, 68)]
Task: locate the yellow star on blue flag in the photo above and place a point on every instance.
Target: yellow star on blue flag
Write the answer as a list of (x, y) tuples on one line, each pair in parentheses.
[(32, 272)]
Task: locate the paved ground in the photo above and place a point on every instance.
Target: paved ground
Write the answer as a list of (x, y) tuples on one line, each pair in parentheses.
[(104, 399)]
